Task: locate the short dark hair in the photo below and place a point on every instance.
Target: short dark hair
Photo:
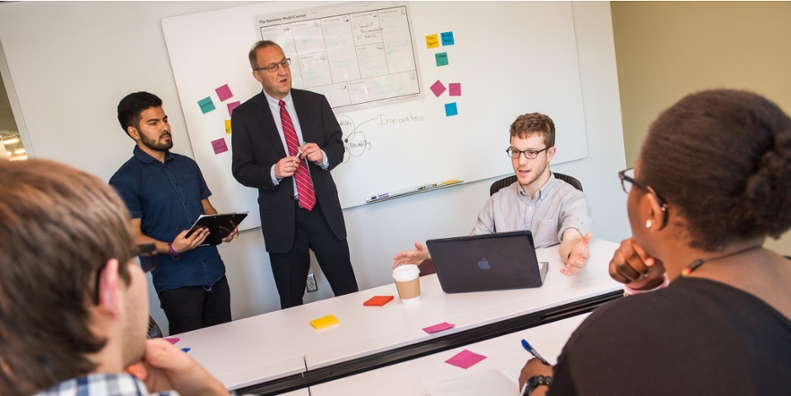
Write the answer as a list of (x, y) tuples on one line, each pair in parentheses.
[(528, 124), (58, 227), (722, 159), (132, 106), (253, 56)]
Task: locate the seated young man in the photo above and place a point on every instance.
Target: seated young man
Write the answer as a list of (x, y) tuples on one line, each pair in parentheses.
[(73, 300), (553, 210)]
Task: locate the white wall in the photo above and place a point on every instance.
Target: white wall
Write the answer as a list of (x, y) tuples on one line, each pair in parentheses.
[(666, 50), (71, 63)]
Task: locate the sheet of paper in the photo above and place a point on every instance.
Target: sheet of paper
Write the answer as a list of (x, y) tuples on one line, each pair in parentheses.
[(465, 359), (437, 88), (432, 41), (438, 327), (232, 106), (447, 38), (479, 382), (356, 58), (451, 109), (454, 89), (219, 146), (206, 105), (442, 58), (224, 92)]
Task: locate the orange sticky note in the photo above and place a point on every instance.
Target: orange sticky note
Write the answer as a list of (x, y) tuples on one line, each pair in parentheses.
[(228, 127), (326, 321), (378, 301), (432, 41)]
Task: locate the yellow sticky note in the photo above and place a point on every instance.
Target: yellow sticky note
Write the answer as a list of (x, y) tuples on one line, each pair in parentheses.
[(326, 321), (228, 127), (432, 41)]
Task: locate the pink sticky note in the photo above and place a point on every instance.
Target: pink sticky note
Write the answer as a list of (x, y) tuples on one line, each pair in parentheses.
[(454, 89), (219, 146), (172, 341), (223, 93), (437, 88), (232, 106), (439, 327), (465, 359)]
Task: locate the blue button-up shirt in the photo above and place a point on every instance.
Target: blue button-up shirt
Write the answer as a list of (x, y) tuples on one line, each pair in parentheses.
[(167, 198)]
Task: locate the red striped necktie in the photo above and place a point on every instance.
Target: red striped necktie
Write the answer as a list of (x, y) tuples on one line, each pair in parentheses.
[(307, 196)]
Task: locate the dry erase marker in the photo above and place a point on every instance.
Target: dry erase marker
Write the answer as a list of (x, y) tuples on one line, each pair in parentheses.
[(381, 196), (299, 151), (534, 352)]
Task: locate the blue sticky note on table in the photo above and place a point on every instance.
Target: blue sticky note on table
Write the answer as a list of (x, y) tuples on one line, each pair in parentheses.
[(206, 105), (451, 110), (442, 58), (447, 38)]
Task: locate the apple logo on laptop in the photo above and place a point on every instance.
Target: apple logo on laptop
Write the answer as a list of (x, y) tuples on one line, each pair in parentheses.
[(483, 264)]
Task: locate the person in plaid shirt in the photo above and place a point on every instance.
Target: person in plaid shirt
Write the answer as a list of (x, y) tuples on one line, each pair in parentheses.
[(73, 299)]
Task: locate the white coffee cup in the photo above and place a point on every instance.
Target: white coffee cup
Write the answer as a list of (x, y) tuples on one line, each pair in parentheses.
[(407, 280)]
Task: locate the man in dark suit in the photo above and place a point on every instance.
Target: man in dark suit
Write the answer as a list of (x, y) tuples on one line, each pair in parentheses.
[(285, 143)]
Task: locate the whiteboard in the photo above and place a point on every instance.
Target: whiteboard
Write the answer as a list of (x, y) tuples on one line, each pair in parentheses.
[(509, 58)]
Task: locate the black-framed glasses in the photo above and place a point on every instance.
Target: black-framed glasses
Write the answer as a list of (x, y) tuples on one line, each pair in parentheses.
[(272, 67), (146, 257), (627, 180), (529, 154)]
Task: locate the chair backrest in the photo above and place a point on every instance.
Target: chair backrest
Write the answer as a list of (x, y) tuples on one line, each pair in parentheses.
[(507, 181), (569, 179), (153, 328)]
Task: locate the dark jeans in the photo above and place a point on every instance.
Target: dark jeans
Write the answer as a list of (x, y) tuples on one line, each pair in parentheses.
[(193, 307)]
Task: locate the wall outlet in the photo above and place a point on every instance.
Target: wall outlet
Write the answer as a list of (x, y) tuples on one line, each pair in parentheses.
[(312, 286)]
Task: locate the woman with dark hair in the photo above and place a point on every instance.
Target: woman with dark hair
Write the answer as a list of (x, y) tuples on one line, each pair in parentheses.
[(713, 180)]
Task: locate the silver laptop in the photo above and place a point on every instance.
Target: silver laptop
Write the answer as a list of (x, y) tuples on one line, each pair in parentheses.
[(498, 261)]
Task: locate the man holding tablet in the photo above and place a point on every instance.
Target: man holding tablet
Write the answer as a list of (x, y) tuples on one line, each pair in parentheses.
[(553, 210), (165, 193)]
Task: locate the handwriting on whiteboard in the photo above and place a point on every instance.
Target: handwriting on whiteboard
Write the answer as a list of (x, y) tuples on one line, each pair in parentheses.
[(354, 139), (402, 119)]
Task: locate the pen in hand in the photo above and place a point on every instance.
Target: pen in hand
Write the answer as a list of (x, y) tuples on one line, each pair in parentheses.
[(299, 151), (534, 352)]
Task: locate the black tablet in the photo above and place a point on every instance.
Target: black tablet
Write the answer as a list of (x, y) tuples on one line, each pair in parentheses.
[(219, 225)]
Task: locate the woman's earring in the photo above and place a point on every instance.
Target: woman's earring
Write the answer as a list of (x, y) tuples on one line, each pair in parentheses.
[(648, 224)]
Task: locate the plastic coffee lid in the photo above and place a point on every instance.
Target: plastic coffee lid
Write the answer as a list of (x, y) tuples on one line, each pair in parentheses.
[(406, 272)]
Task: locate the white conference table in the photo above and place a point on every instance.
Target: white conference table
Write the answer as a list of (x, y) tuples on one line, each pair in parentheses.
[(280, 344), (497, 374)]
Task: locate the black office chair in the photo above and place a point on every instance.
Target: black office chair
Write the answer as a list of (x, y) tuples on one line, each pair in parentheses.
[(505, 182), (153, 328)]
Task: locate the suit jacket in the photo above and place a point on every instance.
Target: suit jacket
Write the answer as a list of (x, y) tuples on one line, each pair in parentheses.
[(257, 146)]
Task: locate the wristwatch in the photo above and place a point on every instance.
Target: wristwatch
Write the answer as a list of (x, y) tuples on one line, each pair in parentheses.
[(535, 381)]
